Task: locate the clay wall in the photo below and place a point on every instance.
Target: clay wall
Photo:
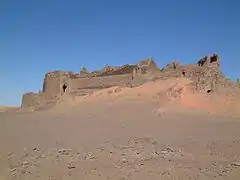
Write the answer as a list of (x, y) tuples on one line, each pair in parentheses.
[(99, 82), (53, 83), (32, 100)]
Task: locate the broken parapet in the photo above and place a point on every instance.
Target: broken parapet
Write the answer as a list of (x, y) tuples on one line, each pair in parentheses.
[(205, 74), (209, 61), (113, 70)]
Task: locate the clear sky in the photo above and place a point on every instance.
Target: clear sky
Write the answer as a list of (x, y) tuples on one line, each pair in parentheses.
[(40, 36)]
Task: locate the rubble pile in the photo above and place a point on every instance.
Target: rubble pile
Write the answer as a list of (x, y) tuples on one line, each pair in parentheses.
[(205, 74)]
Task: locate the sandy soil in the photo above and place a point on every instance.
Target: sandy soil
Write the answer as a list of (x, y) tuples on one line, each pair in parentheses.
[(7, 108), (119, 134)]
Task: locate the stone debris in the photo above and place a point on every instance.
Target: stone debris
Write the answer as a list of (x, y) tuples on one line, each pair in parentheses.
[(237, 164), (89, 156), (124, 160), (129, 158), (36, 148), (10, 155), (64, 151), (71, 165)]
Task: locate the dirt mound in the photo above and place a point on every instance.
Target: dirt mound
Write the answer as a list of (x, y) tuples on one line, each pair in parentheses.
[(183, 97), (167, 95)]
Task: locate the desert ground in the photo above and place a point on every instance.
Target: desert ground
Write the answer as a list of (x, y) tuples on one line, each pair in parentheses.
[(149, 132)]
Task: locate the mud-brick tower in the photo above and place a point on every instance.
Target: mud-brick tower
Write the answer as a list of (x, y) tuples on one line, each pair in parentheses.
[(56, 82)]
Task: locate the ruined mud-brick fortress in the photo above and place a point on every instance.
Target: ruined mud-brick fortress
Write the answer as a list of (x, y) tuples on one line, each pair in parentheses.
[(205, 73)]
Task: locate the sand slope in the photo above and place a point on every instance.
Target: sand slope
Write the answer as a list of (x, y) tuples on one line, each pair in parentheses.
[(161, 130), (172, 94)]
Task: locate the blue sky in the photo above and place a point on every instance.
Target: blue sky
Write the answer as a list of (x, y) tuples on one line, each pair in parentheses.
[(40, 36)]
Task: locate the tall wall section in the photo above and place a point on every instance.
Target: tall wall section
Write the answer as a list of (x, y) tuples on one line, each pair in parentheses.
[(83, 83), (99, 82), (53, 83)]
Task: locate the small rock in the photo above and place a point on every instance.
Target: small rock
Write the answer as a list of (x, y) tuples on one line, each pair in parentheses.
[(116, 166), (71, 166), (25, 163), (13, 169), (169, 149), (14, 173), (89, 156), (100, 149), (164, 152), (10, 155), (64, 151), (166, 173), (236, 164), (124, 160), (157, 153), (36, 148)]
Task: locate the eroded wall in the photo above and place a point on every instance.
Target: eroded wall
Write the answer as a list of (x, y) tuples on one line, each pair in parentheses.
[(99, 82), (32, 100)]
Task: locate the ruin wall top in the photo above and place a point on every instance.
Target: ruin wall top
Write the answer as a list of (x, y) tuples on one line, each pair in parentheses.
[(210, 61), (106, 71), (57, 74)]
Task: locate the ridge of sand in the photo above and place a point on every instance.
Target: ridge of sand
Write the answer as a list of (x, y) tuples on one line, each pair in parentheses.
[(172, 94)]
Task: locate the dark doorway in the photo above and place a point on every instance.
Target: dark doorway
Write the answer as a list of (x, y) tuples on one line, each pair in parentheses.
[(64, 87), (183, 73), (209, 91)]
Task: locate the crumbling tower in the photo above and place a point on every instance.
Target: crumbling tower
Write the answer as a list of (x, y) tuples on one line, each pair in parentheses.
[(208, 76), (55, 83), (210, 61)]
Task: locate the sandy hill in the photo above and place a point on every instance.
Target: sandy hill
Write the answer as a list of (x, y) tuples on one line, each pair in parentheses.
[(167, 95)]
